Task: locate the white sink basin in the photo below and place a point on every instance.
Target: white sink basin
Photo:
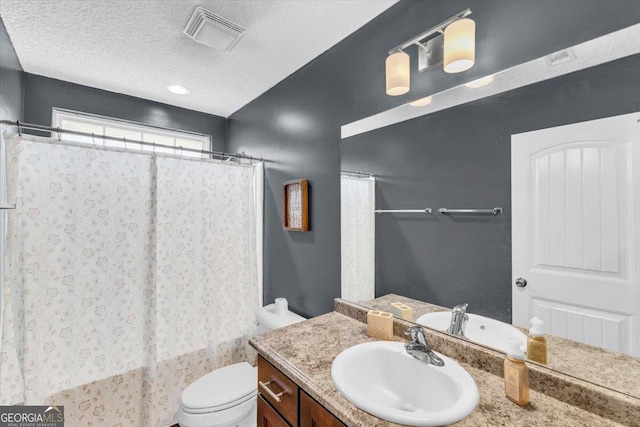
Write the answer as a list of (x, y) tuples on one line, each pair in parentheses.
[(382, 379), (479, 329)]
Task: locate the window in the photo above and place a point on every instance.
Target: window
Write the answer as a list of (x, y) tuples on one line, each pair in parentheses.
[(130, 132)]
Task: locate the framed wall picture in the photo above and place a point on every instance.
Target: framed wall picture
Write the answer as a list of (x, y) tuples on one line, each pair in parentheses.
[(295, 215)]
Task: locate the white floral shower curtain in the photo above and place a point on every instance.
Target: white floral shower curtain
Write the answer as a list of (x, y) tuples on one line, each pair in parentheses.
[(357, 222), (127, 277)]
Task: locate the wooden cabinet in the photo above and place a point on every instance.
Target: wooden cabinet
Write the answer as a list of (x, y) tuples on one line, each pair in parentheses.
[(281, 401), (313, 414), (267, 416)]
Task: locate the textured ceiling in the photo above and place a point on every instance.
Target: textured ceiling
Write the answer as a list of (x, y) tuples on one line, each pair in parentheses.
[(136, 47)]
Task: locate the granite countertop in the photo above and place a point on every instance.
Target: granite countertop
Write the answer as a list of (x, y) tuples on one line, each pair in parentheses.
[(616, 371), (305, 351)]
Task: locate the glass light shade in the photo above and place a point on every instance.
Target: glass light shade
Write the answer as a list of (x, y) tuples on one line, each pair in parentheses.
[(421, 102), (459, 46), (480, 82), (398, 72)]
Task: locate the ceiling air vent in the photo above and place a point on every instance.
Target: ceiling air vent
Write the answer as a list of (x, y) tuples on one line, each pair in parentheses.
[(213, 30), (560, 57)]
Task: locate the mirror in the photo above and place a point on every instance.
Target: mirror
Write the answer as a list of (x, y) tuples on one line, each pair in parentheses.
[(535, 167)]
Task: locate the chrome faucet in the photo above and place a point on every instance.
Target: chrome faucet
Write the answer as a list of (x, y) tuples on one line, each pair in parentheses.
[(459, 320), (419, 348)]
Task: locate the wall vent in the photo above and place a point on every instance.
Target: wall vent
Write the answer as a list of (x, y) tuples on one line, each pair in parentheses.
[(213, 30), (560, 57)]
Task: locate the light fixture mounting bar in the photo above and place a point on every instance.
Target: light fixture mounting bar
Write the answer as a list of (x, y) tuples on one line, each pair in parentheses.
[(437, 29)]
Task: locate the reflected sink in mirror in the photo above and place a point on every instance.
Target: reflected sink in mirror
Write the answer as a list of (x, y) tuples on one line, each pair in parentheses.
[(482, 330), (382, 379)]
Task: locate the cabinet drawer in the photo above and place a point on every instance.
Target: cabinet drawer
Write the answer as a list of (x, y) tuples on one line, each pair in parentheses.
[(278, 390), (312, 414), (267, 417)]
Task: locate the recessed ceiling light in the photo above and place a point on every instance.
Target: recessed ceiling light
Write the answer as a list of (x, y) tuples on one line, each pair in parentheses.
[(480, 82), (421, 102), (177, 89)]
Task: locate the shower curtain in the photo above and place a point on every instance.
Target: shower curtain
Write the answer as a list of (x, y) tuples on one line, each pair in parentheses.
[(127, 277), (357, 223)]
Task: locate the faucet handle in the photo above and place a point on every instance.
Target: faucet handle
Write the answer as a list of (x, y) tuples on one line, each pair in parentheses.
[(416, 333), (413, 330), (461, 308)]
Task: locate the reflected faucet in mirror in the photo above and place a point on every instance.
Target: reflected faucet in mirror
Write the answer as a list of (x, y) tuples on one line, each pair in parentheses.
[(459, 319), (419, 348)]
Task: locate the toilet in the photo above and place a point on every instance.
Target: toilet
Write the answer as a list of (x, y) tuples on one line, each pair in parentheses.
[(226, 397)]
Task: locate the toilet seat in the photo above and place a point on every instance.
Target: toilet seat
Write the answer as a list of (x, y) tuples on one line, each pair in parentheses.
[(221, 389), (243, 415), (229, 405)]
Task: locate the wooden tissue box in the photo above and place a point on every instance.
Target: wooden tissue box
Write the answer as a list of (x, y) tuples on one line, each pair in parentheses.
[(380, 325)]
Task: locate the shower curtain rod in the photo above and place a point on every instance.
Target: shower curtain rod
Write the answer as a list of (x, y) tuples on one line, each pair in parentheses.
[(20, 125)]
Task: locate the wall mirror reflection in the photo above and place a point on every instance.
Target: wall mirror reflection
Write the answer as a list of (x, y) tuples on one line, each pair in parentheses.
[(489, 206)]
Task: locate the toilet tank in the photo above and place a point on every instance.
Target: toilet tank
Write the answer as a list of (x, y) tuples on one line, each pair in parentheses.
[(269, 318)]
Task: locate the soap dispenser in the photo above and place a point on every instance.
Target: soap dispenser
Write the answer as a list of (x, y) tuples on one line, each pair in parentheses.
[(537, 343), (516, 374)]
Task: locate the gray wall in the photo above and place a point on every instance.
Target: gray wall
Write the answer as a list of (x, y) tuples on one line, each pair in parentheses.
[(11, 87), (296, 124), (461, 157), (42, 94)]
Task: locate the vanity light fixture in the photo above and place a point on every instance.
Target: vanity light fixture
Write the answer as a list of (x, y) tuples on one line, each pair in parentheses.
[(177, 89), (421, 102), (451, 43), (483, 81)]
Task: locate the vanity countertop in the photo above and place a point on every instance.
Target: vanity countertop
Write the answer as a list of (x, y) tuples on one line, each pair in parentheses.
[(305, 351)]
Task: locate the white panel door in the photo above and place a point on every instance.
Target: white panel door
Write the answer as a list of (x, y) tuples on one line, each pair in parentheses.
[(576, 231)]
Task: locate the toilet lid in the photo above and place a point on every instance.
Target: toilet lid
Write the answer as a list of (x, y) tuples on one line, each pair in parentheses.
[(221, 387)]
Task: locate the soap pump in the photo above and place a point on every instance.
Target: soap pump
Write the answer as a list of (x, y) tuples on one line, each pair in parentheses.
[(516, 373), (537, 343)]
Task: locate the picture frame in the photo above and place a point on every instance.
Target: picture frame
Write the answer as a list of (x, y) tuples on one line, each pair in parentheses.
[(295, 201)]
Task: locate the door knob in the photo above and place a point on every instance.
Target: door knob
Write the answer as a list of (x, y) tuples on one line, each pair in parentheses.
[(520, 282)]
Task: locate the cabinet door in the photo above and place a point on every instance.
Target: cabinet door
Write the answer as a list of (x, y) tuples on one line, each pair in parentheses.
[(312, 414), (278, 390), (267, 417)]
